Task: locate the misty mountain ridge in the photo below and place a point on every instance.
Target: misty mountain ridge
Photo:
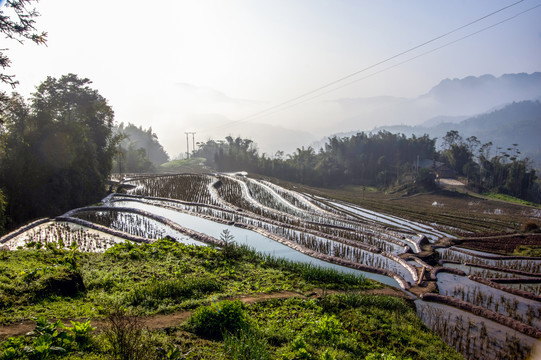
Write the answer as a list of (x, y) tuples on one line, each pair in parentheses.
[(451, 98), (504, 110), (451, 101)]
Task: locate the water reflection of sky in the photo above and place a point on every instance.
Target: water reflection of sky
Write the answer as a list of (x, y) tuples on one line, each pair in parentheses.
[(243, 236)]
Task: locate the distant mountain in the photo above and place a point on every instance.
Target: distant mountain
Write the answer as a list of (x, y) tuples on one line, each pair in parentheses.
[(475, 94), (443, 119), (451, 98), (517, 123), (504, 110)]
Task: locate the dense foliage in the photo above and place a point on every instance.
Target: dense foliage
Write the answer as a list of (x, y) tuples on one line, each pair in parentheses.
[(380, 159), (383, 160), (56, 150), (139, 150), (505, 172)]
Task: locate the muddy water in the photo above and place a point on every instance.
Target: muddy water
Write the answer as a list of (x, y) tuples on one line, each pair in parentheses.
[(525, 310), (485, 273), (85, 238), (527, 265), (475, 337), (533, 288), (375, 238)]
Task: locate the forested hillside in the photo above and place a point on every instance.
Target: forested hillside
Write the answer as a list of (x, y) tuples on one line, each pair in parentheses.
[(385, 160), (139, 150), (517, 123)]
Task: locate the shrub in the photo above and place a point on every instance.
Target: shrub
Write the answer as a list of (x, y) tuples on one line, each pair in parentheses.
[(380, 356), (231, 250), (47, 339), (61, 282), (124, 333), (213, 320), (81, 333), (12, 348)]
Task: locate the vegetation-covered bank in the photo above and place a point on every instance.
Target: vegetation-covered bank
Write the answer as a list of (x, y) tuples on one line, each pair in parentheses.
[(168, 277)]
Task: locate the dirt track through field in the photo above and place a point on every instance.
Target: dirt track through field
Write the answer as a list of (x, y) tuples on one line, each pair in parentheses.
[(163, 321)]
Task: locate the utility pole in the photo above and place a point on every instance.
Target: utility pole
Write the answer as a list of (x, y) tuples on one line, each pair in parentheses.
[(188, 143), (187, 146)]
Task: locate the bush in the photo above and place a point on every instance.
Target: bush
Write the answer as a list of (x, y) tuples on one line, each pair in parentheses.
[(125, 335), (213, 320), (62, 282), (47, 340)]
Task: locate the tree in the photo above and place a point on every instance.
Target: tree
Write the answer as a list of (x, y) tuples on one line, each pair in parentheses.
[(3, 218), (134, 160), (56, 152), (457, 152), (139, 138), (17, 22)]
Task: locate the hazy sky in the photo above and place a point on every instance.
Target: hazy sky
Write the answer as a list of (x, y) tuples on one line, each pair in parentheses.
[(180, 65)]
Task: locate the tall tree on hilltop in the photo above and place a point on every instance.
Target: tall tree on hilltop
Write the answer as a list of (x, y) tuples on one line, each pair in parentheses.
[(57, 151), (16, 23)]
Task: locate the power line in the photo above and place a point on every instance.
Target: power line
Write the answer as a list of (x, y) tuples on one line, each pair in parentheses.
[(281, 106), (393, 66)]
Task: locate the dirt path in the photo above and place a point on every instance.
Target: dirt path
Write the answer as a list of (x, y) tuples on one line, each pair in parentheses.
[(163, 321)]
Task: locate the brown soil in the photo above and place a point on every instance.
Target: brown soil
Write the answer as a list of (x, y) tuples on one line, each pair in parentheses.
[(502, 244), (456, 209), (163, 321)]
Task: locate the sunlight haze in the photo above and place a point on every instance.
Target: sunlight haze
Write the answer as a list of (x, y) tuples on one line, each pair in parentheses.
[(206, 65)]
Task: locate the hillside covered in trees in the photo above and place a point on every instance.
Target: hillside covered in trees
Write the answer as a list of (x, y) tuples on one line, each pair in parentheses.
[(139, 150), (516, 123), (384, 160)]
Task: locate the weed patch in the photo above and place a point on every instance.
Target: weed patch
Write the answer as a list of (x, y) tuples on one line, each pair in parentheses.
[(214, 320)]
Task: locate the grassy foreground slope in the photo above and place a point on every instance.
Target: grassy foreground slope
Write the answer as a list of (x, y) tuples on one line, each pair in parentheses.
[(193, 292)]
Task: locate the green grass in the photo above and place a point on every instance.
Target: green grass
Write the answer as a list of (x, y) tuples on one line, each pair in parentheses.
[(509, 198), (348, 326), (528, 250), (167, 276), (147, 279)]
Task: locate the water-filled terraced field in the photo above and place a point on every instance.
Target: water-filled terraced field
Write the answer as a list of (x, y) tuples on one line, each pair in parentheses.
[(474, 309)]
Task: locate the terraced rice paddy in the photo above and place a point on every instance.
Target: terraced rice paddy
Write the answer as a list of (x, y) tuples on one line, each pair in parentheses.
[(198, 208)]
